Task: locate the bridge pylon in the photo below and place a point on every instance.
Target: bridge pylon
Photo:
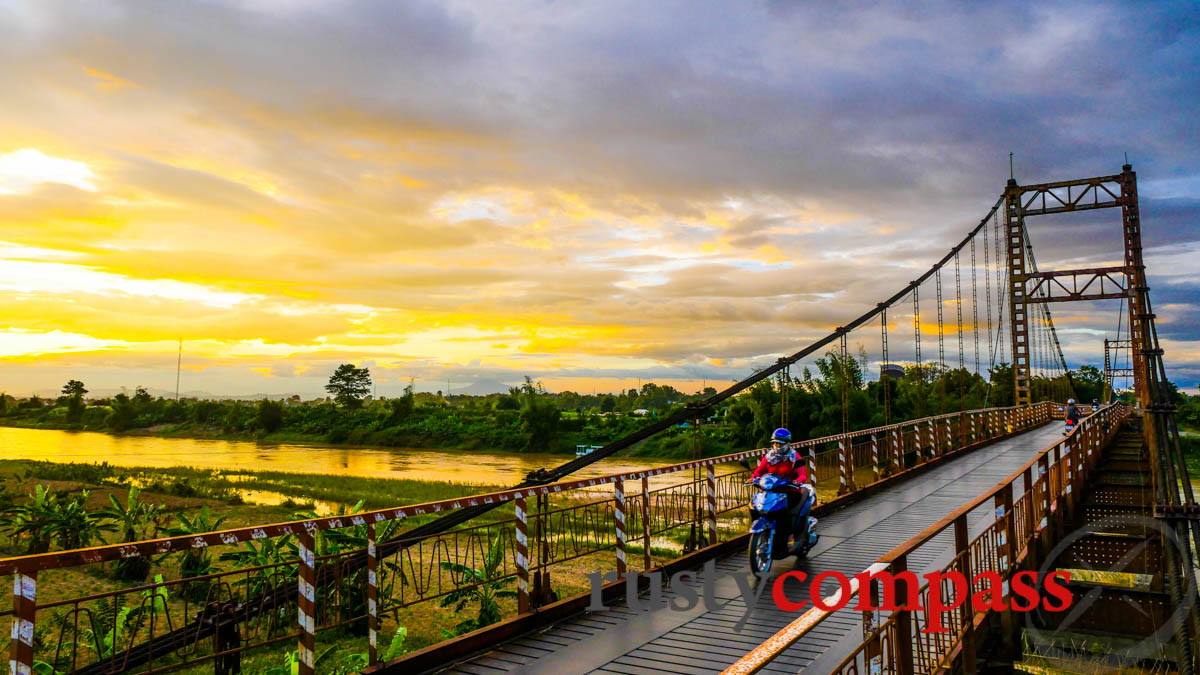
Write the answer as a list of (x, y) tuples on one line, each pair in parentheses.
[(1028, 286)]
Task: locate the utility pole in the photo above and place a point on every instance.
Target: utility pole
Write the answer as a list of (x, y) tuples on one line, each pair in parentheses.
[(178, 365)]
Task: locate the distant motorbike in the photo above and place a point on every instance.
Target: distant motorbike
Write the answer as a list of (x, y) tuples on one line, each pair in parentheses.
[(767, 507), (1069, 427)]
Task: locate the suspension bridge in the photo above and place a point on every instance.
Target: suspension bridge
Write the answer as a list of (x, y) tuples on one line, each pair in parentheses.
[(971, 489)]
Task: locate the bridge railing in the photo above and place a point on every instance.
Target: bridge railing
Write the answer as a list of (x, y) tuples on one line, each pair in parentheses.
[(343, 576), (1030, 504)]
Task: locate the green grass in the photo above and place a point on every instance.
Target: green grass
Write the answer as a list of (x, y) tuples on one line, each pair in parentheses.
[(300, 491)]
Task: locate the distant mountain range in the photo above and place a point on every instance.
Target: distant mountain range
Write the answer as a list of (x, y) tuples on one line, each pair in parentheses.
[(478, 388), (481, 388)]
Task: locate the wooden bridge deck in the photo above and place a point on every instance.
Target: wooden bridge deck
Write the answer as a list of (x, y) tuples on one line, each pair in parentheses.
[(629, 642)]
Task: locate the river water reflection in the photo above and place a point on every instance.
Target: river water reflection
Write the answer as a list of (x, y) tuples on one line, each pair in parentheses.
[(232, 456)]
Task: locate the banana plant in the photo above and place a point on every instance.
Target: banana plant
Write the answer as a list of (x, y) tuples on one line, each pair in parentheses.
[(73, 525), (194, 562), (482, 589), (133, 519), (33, 521)]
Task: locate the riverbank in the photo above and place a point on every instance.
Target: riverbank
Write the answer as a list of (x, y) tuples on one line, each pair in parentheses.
[(674, 444)]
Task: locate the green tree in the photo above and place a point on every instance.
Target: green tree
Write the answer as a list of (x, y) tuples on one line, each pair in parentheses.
[(123, 413), (269, 415), (74, 388), (142, 398), (403, 407), (608, 404), (349, 385), (539, 416)]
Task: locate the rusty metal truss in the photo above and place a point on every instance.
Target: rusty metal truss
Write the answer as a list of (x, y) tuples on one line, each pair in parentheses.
[(1098, 283), (1101, 192)]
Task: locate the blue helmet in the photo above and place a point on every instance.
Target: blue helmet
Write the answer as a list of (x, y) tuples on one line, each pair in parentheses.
[(781, 435)]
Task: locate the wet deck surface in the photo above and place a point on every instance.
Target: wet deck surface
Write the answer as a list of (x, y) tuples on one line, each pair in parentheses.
[(705, 640)]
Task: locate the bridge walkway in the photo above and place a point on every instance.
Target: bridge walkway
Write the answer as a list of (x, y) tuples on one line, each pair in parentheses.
[(702, 640)]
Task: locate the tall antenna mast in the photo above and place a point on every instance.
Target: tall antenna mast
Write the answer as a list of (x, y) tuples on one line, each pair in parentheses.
[(178, 364)]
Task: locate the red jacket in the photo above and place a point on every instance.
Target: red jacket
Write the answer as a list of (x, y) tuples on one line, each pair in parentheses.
[(791, 467)]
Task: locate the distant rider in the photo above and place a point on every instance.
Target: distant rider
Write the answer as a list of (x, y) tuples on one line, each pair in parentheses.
[(786, 463)]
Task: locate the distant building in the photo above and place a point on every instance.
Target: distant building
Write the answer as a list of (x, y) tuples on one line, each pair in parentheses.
[(641, 411), (892, 370)]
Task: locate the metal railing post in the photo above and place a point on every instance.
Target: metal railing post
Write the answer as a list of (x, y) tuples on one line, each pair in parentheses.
[(306, 604), (875, 456), (710, 491), (897, 437), (619, 519), (843, 481), (904, 624), (1027, 486), (24, 621), (373, 596), (1003, 502), (962, 547), (920, 456), (647, 562), (812, 464), (524, 606), (1044, 480)]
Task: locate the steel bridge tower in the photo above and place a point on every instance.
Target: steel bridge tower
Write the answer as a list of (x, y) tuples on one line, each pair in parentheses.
[(1174, 502), (1027, 287)]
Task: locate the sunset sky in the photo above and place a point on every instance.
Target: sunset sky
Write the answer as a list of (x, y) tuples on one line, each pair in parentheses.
[(585, 192)]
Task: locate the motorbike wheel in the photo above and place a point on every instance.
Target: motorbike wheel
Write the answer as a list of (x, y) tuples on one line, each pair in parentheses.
[(759, 552)]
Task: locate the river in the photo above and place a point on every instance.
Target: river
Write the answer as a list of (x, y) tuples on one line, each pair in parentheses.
[(455, 466)]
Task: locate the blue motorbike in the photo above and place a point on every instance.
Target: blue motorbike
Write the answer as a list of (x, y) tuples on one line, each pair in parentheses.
[(768, 505)]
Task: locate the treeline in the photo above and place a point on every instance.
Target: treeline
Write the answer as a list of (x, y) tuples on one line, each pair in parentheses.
[(528, 418)]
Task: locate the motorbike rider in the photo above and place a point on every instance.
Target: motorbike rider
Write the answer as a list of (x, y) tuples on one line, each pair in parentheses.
[(1072, 412), (786, 463)]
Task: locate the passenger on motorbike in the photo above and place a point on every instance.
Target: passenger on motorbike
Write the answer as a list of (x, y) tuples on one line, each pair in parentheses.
[(781, 460)]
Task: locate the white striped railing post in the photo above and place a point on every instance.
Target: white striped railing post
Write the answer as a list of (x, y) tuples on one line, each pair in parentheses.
[(920, 456), (843, 486), (524, 606), (934, 446), (875, 456), (646, 560), (307, 604), (897, 454), (710, 490), (812, 464), (949, 437), (619, 519), (372, 596), (24, 619)]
